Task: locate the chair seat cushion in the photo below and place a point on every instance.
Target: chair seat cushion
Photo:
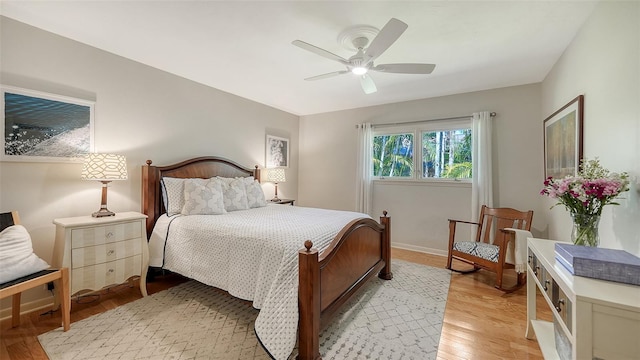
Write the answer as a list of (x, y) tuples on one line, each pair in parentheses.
[(479, 249), (16, 254)]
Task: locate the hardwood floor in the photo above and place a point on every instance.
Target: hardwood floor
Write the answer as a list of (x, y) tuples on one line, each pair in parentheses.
[(480, 321)]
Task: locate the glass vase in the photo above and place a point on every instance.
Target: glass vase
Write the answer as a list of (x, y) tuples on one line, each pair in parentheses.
[(585, 229)]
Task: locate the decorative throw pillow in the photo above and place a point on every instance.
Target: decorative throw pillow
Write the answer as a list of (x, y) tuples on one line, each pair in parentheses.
[(173, 193), (255, 195), (234, 194), (225, 180), (202, 199), (16, 254)]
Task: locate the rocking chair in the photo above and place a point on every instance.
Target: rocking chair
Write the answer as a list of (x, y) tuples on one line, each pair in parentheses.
[(483, 253)]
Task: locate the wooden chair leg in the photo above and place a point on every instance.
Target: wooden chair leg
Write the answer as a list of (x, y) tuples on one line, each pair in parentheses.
[(15, 310), (65, 299), (522, 278), (499, 278)]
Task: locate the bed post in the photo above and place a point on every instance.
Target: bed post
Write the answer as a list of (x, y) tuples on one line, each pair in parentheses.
[(386, 273), (149, 191), (309, 303), (256, 173)]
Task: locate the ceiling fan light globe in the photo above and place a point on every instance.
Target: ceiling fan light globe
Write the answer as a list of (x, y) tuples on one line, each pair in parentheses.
[(359, 70)]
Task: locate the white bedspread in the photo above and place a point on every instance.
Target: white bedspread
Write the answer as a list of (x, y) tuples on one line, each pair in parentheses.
[(252, 254)]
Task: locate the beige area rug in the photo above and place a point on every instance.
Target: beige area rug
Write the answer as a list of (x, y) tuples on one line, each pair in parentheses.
[(396, 319)]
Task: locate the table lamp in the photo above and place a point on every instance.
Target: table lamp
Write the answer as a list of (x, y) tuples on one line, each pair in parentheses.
[(276, 176), (104, 168)]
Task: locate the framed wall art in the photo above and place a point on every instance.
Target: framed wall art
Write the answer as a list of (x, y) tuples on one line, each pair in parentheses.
[(44, 127), (277, 152), (563, 140)]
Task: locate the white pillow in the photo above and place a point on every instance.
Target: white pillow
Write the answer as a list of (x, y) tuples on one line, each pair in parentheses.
[(16, 254), (202, 199), (255, 195), (173, 193), (234, 194), (225, 180)]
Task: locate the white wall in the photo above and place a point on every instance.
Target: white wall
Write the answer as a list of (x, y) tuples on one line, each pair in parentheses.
[(419, 212), (140, 112), (603, 63)]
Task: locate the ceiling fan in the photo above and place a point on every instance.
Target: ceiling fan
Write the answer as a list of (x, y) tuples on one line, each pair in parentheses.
[(362, 62)]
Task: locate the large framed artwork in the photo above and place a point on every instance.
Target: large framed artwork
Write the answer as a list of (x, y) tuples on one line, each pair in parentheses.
[(44, 127), (563, 140), (277, 152)]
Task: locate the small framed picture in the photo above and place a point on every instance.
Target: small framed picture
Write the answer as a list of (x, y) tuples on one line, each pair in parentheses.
[(42, 127), (563, 140), (277, 152)]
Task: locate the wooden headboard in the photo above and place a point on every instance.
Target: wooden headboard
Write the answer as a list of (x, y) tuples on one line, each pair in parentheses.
[(201, 167)]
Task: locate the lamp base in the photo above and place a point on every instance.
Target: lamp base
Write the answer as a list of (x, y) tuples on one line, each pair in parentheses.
[(103, 203), (275, 199), (103, 212)]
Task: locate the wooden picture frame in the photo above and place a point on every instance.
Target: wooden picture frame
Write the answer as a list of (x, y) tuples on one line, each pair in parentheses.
[(277, 152), (563, 140), (43, 127)]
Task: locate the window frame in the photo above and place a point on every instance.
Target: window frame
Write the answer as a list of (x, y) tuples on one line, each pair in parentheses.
[(418, 129)]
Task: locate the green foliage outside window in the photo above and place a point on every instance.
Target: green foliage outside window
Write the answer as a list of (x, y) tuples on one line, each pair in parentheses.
[(393, 155), (447, 154)]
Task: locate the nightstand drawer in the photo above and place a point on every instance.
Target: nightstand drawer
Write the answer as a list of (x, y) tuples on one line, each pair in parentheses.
[(105, 234), (91, 255), (100, 275)]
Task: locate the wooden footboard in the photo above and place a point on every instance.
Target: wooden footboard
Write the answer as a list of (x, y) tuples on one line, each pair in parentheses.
[(326, 281)]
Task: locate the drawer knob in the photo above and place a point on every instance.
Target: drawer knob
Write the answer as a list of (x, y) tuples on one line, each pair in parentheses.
[(111, 252), (560, 302), (536, 270), (110, 270), (109, 234), (546, 284)]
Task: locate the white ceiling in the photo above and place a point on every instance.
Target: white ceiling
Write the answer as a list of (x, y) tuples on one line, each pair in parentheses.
[(244, 48)]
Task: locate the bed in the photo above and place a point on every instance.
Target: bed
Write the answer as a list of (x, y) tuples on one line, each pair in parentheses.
[(328, 272)]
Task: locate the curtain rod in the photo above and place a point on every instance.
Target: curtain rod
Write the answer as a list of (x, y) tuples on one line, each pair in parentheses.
[(492, 114)]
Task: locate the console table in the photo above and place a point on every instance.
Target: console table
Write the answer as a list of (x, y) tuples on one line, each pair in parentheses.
[(592, 319)]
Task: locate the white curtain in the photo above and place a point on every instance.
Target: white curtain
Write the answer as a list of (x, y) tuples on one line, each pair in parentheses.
[(363, 169), (482, 184)]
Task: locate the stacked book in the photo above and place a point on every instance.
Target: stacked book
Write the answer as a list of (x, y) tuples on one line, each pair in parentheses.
[(599, 263)]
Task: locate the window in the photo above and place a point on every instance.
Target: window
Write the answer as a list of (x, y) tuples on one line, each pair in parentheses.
[(393, 155), (443, 151), (446, 154)]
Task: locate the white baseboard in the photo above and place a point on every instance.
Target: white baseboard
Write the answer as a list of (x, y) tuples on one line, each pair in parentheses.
[(421, 249), (25, 308)]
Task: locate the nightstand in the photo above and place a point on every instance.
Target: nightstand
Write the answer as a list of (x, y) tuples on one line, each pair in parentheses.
[(285, 201), (102, 251)]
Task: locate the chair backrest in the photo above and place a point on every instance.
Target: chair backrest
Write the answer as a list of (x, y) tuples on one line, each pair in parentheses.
[(9, 219), (492, 220)]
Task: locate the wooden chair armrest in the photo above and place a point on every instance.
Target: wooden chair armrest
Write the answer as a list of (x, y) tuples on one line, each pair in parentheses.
[(464, 222)]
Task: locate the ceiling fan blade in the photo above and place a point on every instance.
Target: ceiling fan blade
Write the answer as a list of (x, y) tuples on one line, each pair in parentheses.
[(405, 68), (368, 86), (316, 50), (386, 37), (328, 75)]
